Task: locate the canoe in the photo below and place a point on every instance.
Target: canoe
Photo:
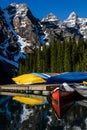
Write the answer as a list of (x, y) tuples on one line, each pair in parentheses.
[(68, 77), (62, 100), (28, 79), (81, 89), (82, 102), (33, 78)]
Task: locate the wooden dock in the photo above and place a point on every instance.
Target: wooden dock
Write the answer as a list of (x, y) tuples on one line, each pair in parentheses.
[(38, 89)]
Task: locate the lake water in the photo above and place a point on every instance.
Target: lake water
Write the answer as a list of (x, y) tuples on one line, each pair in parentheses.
[(19, 116)]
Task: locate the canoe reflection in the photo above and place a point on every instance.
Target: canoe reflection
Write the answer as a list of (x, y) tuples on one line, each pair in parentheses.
[(61, 102), (83, 102), (29, 100)]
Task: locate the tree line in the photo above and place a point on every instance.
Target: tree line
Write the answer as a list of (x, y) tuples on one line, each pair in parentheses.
[(56, 57)]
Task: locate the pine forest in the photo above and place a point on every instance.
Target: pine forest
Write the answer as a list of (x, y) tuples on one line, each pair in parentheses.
[(56, 57)]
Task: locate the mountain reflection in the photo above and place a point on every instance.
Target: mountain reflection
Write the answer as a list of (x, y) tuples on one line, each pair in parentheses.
[(19, 116)]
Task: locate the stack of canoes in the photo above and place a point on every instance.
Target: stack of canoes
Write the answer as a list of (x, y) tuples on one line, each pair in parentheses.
[(69, 77), (51, 78), (32, 78)]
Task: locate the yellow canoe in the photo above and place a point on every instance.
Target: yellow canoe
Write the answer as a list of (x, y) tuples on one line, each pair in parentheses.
[(85, 82), (28, 79)]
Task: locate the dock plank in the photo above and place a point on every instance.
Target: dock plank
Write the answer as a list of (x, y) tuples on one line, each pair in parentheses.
[(28, 87)]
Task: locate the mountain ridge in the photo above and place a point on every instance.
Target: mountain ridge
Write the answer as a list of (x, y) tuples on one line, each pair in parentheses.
[(21, 32)]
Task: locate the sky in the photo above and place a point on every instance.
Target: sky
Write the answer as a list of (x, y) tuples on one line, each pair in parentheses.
[(60, 8)]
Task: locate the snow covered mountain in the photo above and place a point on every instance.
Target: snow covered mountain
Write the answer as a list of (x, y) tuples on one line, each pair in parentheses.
[(21, 32), (17, 35), (78, 23)]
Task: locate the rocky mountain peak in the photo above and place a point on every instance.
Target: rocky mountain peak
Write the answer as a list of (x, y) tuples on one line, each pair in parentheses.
[(21, 9), (21, 6), (50, 17), (71, 21), (73, 16)]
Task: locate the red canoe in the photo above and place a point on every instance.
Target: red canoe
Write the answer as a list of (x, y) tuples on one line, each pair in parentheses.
[(63, 100)]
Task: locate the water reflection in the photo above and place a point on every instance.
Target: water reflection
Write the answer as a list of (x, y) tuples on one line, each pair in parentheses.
[(19, 116), (9, 113)]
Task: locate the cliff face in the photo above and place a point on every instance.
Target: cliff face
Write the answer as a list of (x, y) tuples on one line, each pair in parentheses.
[(17, 35), (21, 32)]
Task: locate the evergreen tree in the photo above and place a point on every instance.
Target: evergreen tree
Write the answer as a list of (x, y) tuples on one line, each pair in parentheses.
[(74, 56), (53, 56), (84, 60), (80, 51), (59, 56), (38, 62), (67, 56), (46, 58)]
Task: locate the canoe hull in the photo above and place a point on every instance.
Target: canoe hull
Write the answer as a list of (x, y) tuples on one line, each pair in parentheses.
[(63, 100), (83, 92)]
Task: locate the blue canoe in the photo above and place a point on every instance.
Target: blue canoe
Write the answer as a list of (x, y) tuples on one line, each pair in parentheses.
[(44, 75), (69, 77)]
